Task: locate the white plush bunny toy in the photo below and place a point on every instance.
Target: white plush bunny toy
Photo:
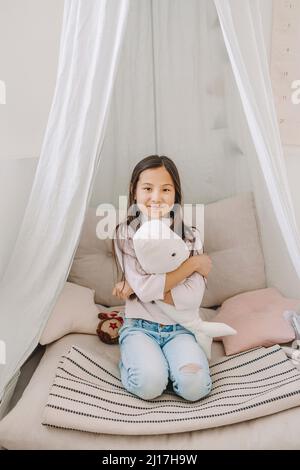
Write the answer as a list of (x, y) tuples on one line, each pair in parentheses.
[(160, 250)]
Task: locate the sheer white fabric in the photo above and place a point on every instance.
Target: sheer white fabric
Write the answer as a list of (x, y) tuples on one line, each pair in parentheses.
[(174, 95), (92, 35), (244, 40)]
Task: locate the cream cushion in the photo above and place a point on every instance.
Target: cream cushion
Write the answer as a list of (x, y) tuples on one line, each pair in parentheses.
[(23, 430), (231, 239), (75, 312), (93, 264)]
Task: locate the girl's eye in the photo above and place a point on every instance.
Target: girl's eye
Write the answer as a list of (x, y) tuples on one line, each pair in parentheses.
[(164, 189)]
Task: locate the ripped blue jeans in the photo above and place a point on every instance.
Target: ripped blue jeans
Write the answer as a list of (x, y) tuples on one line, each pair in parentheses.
[(152, 354)]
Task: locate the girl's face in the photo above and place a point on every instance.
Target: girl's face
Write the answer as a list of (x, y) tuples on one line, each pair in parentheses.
[(155, 192)]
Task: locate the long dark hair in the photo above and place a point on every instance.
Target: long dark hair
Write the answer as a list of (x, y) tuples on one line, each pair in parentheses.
[(133, 214)]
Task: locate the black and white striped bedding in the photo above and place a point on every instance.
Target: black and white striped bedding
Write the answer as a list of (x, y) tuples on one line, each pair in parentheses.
[(87, 395)]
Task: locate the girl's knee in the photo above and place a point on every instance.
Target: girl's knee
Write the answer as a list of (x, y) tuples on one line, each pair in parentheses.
[(194, 384), (146, 384)]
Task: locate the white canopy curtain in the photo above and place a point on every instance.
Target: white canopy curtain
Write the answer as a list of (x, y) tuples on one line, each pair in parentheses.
[(92, 36), (243, 35), (175, 82)]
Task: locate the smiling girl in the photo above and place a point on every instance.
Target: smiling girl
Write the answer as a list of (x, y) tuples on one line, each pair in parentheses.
[(153, 348)]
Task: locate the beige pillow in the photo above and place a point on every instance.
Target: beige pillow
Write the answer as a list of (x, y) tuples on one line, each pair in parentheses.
[(258, 319), (93, 264), (74, 312), (231, 239)]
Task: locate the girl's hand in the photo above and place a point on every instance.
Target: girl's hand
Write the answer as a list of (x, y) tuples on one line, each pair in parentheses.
[(202, 264), (122, 290)]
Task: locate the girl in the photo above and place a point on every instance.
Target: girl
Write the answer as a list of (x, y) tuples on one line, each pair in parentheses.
[(153, 348)]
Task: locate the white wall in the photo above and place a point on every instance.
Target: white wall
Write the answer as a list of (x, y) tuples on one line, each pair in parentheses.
[(29, 44), (29, 40), (292, 155)]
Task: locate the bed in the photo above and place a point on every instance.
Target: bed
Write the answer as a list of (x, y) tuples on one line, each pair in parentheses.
[(22, 428)]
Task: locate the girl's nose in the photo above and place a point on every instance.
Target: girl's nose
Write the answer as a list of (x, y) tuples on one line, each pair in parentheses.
[(155, 197), (155, 201)]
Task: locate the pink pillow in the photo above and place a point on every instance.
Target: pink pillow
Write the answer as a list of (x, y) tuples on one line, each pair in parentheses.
[(257, 316)]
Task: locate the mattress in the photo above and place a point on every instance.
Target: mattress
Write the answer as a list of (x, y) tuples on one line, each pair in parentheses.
[(22, 428)]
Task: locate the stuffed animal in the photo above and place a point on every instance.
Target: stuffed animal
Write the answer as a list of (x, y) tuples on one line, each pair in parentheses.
[(160, 250), (109, 326)]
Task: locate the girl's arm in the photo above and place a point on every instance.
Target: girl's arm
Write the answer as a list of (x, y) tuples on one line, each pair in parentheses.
[(188, 294), (124, 290), (168, 299), (186, 269), (147, 287)]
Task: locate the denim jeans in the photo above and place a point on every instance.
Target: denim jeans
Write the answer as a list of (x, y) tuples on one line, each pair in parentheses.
[(152, 354)]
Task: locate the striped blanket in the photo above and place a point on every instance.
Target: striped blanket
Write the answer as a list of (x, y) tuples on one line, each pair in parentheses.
[(87, 395)]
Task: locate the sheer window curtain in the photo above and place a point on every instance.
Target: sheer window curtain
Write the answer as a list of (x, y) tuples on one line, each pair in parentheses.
[(91, 40), (243, 35), (175, 82)]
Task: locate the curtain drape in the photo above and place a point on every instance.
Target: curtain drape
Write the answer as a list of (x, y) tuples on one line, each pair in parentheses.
[(92, 36), (243, 35), (175, 82)]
